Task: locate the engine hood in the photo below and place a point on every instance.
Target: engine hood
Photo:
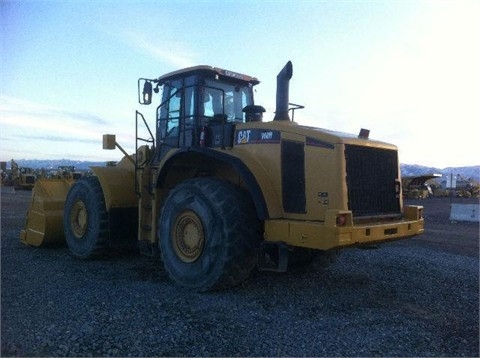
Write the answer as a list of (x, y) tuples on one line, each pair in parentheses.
[(324, 136)]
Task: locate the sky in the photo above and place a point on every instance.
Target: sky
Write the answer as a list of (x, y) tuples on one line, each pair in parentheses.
[(406, 70)]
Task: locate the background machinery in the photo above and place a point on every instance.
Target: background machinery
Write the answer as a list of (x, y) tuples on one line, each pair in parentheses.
[(67, 172), (418, 186), (23, 177), (217, 191)]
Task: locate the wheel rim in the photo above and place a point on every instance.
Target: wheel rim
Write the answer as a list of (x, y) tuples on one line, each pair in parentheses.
[(188, 237), (79, 219)]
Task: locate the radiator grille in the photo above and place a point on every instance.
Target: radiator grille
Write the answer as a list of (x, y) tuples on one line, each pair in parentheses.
[(371, 181)]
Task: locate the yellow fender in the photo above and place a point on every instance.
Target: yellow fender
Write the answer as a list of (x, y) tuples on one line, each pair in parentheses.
[(118, 185)]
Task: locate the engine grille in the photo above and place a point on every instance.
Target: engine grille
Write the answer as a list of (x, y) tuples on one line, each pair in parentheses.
[(371, 181)]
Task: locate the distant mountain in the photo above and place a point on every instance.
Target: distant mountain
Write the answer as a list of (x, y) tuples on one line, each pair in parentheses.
[(472, 172), (54, 164)]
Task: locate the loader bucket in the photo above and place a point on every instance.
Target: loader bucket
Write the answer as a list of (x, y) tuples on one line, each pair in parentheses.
[(44, 221)]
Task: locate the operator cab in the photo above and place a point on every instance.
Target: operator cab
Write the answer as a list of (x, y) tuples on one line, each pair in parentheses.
[(200, 106)]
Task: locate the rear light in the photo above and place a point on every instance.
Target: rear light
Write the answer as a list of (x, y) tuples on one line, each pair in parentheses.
[(338, 218), (341, 220)]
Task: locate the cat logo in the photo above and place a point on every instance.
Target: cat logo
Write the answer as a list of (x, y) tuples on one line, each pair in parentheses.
[(243, 136)]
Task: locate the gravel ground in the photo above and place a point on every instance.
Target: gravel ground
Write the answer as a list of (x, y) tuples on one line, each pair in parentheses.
[(417, 297)]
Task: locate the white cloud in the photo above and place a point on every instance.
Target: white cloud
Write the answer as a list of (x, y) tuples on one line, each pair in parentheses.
[(30, 117), (40, 131), (164, 50)]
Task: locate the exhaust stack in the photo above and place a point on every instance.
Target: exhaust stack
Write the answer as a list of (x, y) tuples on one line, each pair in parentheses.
[(283, 79)]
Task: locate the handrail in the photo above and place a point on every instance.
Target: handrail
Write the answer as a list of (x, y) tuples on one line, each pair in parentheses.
[(295, 106), (137, 139)]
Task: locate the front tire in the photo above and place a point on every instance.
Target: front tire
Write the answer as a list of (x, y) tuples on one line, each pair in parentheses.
[(208, 234), (85, 219)]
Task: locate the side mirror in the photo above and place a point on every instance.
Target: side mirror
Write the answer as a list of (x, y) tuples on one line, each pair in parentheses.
[(146, 97)]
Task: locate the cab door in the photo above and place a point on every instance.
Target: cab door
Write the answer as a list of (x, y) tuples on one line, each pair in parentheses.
[(176, 116)]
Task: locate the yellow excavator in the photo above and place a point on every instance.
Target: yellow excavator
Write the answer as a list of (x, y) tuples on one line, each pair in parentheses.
[(216, 191)]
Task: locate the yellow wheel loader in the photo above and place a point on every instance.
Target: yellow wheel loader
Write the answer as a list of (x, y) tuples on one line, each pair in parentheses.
[(217, 191), (23, 178)]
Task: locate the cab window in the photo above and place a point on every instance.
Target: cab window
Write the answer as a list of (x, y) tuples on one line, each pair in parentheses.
[(225, 98), (169, 111)]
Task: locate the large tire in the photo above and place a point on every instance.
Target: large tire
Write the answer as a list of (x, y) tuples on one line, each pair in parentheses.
[(85, 219), (208, 234)]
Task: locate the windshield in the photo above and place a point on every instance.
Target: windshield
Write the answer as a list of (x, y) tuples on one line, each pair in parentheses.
[(225, 98)]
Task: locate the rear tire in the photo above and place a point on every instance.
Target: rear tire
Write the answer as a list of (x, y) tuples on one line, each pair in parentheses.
[(85, 219), (208, 234)]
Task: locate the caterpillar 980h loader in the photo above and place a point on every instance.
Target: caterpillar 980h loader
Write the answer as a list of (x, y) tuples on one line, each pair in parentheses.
[(217, 191)]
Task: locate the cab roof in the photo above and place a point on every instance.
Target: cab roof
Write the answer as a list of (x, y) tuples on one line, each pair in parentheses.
[(208, 69)]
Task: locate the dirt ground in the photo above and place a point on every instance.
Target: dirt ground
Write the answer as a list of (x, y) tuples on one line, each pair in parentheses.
[(449, 236), (413, 297)]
